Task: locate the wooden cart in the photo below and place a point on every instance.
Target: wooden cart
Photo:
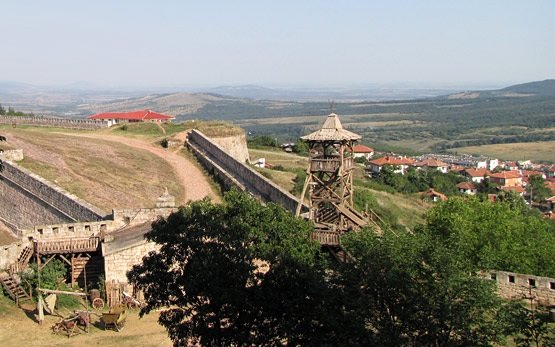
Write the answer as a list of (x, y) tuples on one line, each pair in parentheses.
[(115, 318)]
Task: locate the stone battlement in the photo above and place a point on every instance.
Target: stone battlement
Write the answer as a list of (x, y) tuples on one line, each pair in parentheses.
[(512, 285), (68, 123)]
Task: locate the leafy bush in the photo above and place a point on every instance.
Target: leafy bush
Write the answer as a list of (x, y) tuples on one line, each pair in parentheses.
[(164, 143)]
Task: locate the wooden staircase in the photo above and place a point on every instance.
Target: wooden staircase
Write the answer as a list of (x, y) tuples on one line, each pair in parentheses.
[(22, 261), (13, 287), (90, 265)]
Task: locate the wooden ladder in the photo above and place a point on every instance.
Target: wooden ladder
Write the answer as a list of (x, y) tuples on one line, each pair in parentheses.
[(13, 288)]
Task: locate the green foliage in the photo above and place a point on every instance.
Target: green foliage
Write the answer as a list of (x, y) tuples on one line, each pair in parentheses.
[(529, 326), (2, 138), (124, 127), (412, 292), (237, 273), (299, 182), (495, 235), (301, 148), (51, 275), (2, 110), (263, 141), (415, 181), (361, 160), (537, 189)]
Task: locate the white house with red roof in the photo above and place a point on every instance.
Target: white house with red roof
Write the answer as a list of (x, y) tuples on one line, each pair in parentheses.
[(362, 151), (133, 116), (467, 188), (433, 163), (507, 178), (476, 175)]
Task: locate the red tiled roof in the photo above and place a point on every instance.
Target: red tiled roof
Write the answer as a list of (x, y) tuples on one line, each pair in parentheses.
[(552, 169), (431, 193), (362, 149), (517, 189), (431, 162), (466, 185), (477, 172), (506, 174), (134, 115), (392, 161), (528, 173)]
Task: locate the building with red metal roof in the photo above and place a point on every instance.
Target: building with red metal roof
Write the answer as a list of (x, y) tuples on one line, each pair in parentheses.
[(133, 116)]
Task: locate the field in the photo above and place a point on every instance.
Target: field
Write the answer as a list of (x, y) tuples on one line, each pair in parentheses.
[(540, 151), (19, 328)]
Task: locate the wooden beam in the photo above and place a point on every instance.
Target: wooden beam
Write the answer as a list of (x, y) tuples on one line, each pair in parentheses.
[(48, 261), (50, 291), (65, 259)]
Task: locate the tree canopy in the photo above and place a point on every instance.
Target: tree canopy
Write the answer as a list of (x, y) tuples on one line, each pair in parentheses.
[(500, 236), (240, 273), (237, 273)]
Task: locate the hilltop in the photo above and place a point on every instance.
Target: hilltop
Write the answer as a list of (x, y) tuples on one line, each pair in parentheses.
[(545, 88)]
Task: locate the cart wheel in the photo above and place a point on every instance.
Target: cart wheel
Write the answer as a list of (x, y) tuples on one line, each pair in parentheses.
[(98, 303)]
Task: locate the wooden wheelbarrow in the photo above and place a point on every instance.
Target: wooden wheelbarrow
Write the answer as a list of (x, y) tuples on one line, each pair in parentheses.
[(115, 318)]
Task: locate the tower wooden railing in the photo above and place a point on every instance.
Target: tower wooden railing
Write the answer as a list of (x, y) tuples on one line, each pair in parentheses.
[(330, 164), (72, 245)]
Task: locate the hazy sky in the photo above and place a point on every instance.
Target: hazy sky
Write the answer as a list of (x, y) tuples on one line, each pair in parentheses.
[(277, 43)]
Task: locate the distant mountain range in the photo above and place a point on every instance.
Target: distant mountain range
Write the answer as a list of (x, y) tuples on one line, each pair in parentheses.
[(538, 88), (81, 99)]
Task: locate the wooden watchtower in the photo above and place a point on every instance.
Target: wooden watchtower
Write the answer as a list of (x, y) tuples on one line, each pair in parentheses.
[(329, 182)]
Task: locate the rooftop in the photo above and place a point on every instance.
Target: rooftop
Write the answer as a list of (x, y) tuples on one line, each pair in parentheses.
[(332, 130), (133, 115)]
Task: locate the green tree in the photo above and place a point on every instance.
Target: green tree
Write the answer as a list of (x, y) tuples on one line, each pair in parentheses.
[(2, 138), (495, 235), (2, 110), (301, 147), (537, 189), (412, 291), (239, 273)]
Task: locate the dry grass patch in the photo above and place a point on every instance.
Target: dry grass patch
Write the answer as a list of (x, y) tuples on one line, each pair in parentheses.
[(106, 174), (544, 151)]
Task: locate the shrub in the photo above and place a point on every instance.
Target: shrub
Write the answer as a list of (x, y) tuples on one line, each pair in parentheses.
[(164, 143)]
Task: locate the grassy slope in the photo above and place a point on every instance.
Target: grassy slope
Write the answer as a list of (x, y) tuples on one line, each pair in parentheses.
[(107, 174)]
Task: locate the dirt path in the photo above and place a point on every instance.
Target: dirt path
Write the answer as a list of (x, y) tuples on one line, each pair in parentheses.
[(191, 178)]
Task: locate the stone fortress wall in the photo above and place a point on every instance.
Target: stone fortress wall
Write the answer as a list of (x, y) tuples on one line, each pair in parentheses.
[(53, 199), (238, 173), (511, 286), (68, 123), (12, 154)]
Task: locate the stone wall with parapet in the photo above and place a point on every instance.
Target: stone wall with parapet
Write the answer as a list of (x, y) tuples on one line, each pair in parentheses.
[(12, 154), (511, 285), (69, 123), (50, 196), (118, 263), (21, 209), (133, 216), (67, 230), (235, 146), (253, 182)]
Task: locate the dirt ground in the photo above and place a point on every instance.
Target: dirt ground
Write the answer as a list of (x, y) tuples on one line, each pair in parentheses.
[(19, 328)]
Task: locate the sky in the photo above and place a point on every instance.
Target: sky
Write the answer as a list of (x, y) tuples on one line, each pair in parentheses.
[(277, 43)]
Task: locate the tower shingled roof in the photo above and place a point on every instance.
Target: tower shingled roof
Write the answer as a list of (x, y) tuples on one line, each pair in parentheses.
[(332, 130)]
